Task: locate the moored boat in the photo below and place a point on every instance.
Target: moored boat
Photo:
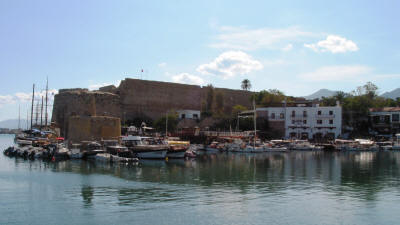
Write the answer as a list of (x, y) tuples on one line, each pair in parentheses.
[(145, 147)]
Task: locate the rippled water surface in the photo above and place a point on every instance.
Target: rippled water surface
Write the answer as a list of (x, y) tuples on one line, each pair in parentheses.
[(269, 188)]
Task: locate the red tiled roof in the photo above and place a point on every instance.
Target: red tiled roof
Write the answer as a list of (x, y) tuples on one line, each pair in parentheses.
[(385, 109)]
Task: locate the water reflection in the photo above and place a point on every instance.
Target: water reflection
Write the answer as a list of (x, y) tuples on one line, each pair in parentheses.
[(87, 195)]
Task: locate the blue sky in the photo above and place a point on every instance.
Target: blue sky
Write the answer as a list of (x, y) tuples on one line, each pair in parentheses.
[(297, 47)]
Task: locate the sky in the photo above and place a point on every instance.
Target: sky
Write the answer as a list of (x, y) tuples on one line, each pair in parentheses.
[(297, 47)]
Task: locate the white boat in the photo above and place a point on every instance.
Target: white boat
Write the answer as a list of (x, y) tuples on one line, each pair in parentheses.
[(275, 149), (146, 148), (254, 149), (303, 145), (346, 145), (22, 142), (366, 145), (75, 152)]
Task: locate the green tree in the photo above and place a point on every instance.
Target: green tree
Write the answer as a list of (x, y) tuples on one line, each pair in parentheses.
[(209, 98), (246, 85), (160, 123), (237, 109)]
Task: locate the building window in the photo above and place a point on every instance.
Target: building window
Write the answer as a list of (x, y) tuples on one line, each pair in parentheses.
[(330, 121), (282, 116), (293, 121), (293, 113), (272, 115), (319, 112), (395, 117), (319, 121), (304, 121), (183, 116), (376, 119), (331, 112), (304, 113), (195, 116)]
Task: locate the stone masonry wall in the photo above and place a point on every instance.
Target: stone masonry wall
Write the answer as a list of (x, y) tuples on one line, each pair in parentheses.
[(86, 128), (81, 102), (137, 98)]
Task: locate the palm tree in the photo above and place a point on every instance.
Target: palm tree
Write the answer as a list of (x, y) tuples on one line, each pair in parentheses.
[(246, 85)]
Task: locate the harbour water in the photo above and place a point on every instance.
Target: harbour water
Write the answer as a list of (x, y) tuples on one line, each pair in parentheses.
[(267, 188)]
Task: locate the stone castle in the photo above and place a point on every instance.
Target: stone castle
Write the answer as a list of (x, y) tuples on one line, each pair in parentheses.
[(135, 98)]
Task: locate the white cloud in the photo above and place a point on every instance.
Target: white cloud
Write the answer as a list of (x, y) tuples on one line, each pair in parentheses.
[(23, 97), (97, 86), (240, 38), (6, 99), (334, 44), (337, 73), (186, 78), (163, 64), (230, 64), (287, 48)]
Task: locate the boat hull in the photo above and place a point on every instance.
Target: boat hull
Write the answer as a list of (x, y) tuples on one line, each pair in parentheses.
[(209, 149), (153, 154), (176, 154)]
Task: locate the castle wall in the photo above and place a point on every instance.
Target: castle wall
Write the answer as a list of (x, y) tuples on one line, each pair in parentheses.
[(153, 99), (81, 102), (87, 128), (137, 98)]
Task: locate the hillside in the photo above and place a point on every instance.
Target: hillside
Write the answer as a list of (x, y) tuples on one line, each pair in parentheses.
[(321, 93), (392, 94)]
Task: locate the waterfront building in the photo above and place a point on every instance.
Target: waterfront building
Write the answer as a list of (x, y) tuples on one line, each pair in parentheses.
[(385, 120), (189, 114), (303, 120)]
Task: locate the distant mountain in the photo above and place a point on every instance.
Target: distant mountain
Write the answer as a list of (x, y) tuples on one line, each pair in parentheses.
[(13, 124), (321, 93), (392, 94)]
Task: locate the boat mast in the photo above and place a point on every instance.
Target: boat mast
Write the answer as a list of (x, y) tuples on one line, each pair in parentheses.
[(27, 119), (47, 90), (166, 124), (255, 123), (41, 115), (33, 99), (37, 112), (19, 116)]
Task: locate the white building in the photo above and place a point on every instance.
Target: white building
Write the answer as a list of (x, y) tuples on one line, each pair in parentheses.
[(189, 114), (305, 121)]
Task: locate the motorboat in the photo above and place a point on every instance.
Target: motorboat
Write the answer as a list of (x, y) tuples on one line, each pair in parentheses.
[(214, 147), (303, 145), (177, 148), (146, 147), (75, 151)]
